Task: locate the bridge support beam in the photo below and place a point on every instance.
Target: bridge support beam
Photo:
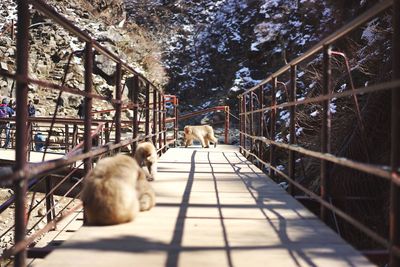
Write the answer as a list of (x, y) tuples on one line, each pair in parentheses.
[(20, 186), (88, 104), (395, 143), (155, 110), (292, 127), (325, 131), (272, 156), (147, 112), (118, 105), (135, 121), (261, 126)]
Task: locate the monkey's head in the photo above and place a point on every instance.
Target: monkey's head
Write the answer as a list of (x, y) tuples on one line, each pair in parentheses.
[(187, 132)]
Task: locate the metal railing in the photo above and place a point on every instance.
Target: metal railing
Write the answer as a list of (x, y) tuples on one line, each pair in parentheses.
[(258, 108), (91, 138)]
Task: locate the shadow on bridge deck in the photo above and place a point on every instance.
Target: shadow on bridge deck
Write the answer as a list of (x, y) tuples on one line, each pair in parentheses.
[(214, 208)]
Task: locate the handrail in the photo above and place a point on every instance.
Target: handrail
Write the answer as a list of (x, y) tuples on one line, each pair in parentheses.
[(23, 172), (256, 141)]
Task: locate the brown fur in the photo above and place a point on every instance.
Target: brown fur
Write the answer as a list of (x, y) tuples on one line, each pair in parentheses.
[(203, 133), (146, 154), (115, 190)]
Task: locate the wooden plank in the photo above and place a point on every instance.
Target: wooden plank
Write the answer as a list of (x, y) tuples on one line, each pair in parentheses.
[(214, 208)]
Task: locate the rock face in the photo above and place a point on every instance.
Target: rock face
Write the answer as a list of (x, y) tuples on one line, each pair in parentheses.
[(52, 47), (215, 49)]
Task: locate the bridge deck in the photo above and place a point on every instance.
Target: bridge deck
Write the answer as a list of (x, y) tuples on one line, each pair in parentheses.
[(214, 208)]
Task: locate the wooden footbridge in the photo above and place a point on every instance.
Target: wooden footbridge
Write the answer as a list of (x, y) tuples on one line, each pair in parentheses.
[(216, 206)]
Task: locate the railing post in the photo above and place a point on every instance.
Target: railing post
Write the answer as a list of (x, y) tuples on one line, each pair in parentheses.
[(30, 143), (107, 132), (154, 132), (160, 141), (292, 127), (118, 104), (244, 107), (395, 144), (66, 138), (75, 135), (88, 105), (272, 127), (164, 125), (135, 121), (325, 131), (147, 112), (240, 123), (261, 124), (51, 213), (252, 121), (20, 187), (227, 125), (176, 121)]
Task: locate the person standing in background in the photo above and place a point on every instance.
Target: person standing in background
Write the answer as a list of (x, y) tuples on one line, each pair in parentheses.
[(31, 109), (5, 112), (81, 110)]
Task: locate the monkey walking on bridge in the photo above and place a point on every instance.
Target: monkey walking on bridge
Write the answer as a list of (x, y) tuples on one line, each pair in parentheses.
[(146, 155), (203, 133)]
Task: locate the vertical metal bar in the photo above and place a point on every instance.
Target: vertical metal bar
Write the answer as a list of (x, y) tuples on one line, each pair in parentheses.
[(135, 121), (66, 138), (244, 121), (251, 121), (147, 112), (261, 124), (394, 231), (176, 121), (272, 126), (88, 104), (154, 132), (292, 126), (30, 143), (227, 125), (240, 124), (325, 131), (118, 105), (20, 187), (160, 141), (107, 133), (49, 199), (74, 135), (164, 125), (175, 125)]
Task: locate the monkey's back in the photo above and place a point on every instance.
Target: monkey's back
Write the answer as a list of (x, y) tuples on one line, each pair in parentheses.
[(109, 193)]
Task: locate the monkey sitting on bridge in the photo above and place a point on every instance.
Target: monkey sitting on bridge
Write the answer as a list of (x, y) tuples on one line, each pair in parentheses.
[(115, 190), (203, 133), (146, 154)]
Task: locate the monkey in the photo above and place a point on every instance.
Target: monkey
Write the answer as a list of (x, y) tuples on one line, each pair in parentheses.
[(115, 190), (203, 133), (146, 154), (147, 197)]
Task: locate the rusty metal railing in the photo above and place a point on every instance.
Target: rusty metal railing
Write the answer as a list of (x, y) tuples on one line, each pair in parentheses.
[(99, 137), (258, 108), (208, 110)]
